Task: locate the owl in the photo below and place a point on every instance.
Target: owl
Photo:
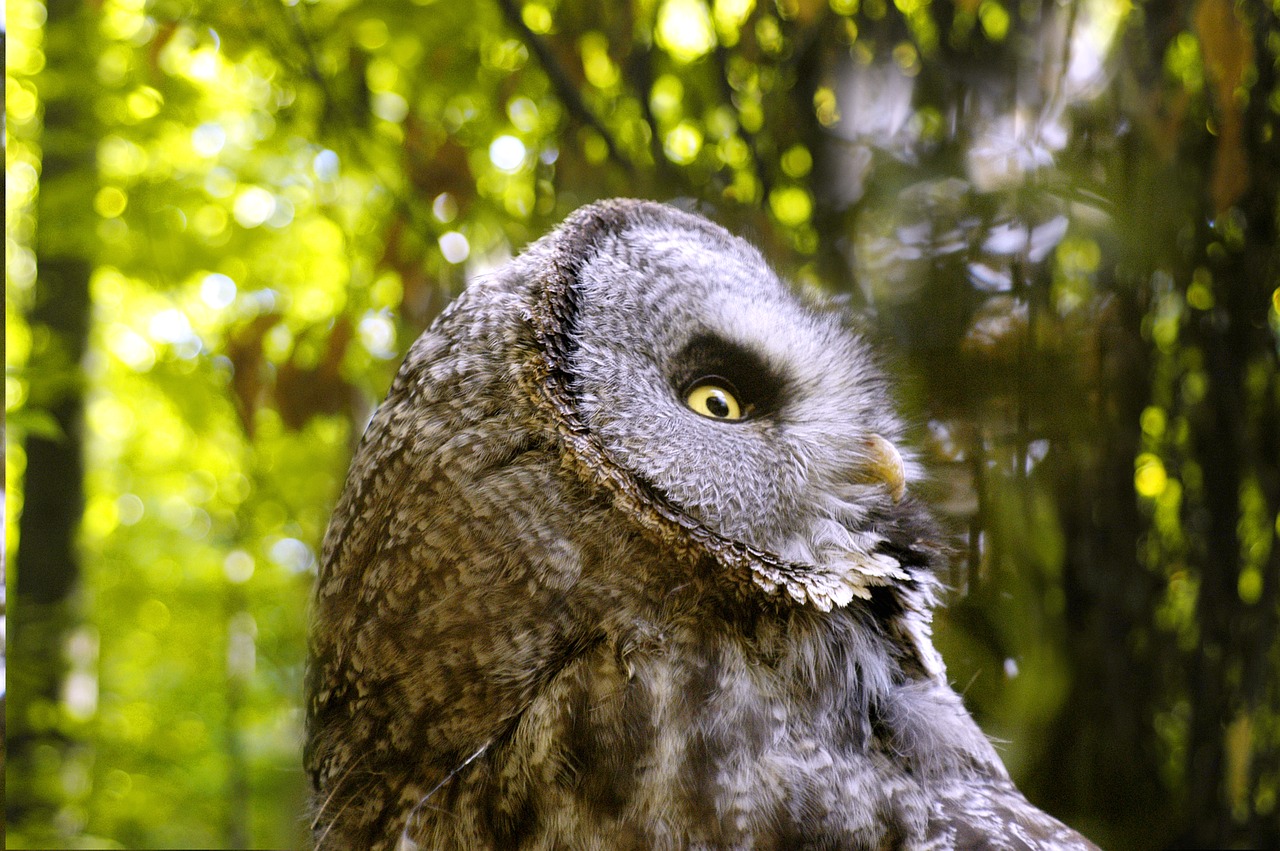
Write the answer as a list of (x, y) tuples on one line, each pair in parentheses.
[(630, 558)]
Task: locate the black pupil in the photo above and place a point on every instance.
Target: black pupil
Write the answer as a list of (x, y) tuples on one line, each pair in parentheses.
[(717, 406)]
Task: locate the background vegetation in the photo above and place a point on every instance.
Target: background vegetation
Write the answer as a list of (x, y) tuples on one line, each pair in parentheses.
[(225, 222)]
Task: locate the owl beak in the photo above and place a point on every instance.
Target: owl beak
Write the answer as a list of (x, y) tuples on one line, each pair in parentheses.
[(884, 466)]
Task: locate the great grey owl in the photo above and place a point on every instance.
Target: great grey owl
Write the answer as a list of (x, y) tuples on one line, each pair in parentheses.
[(629, 558)]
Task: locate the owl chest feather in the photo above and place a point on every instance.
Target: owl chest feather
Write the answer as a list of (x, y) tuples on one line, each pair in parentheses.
[(690, 738)]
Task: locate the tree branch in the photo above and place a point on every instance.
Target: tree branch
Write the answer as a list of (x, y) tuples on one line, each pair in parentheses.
[(564, 87)]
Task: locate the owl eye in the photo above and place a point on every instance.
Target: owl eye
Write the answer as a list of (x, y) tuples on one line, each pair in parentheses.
[(714, 397)]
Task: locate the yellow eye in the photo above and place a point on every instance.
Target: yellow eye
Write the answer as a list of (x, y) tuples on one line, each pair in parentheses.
[(713, 400)]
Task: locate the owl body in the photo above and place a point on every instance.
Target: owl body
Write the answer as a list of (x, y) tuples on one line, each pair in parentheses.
[(628, 558)]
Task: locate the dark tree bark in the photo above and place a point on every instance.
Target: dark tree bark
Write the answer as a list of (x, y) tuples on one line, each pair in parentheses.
[(47, 566), (1235, 438), (1110, 772)]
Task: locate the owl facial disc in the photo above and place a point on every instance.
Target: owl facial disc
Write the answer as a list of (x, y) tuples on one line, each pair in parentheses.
[(783, 417)]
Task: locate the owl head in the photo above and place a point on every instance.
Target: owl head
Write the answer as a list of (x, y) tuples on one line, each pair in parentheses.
[(732, 417)]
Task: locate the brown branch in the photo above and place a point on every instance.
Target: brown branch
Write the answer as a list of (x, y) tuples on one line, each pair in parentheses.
[(639, 72), (753, 145), (564, 87)]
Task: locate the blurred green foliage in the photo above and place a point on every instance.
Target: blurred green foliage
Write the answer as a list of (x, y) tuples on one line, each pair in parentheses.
[(1062, 216)]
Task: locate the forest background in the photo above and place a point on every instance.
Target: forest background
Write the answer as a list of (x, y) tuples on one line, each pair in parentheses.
[(226, 221)]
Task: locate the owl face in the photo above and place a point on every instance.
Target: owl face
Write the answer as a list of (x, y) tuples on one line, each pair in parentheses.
[(759, 417)]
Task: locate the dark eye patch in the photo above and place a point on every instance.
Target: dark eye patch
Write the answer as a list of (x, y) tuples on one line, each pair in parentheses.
[(757, 387)]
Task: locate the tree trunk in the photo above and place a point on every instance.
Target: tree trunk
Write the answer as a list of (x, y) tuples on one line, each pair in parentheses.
[(47, 569), (1235, 442)]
